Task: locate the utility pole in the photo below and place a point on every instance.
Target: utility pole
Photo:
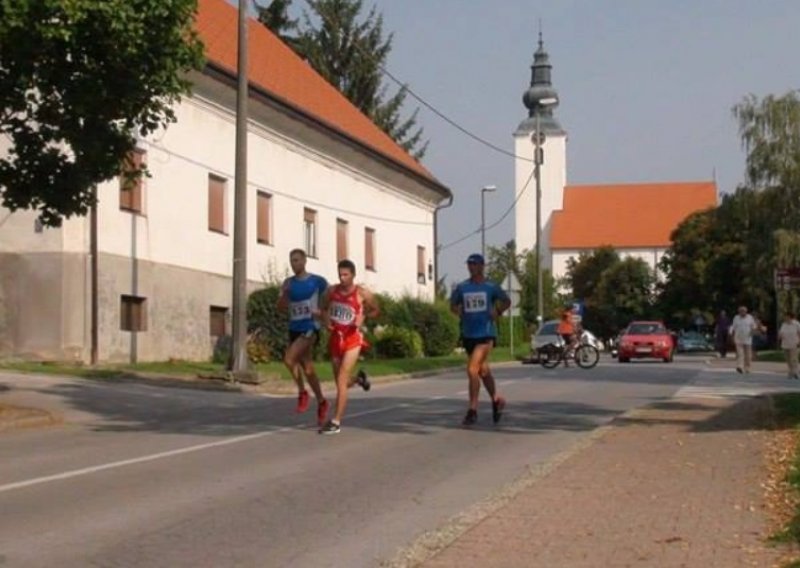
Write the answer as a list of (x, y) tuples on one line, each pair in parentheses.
[(539, 278), (239, 362)]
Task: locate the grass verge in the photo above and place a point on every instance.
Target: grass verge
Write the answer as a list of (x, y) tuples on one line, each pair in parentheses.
[(176, 368)]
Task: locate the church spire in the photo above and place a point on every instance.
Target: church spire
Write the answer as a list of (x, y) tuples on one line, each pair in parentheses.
[(541, 88)]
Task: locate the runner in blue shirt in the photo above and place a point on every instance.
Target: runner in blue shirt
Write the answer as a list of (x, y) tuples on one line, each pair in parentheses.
[(479, 303), (300, 296)]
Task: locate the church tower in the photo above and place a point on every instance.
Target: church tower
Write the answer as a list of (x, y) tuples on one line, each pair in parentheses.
[(540, 99)]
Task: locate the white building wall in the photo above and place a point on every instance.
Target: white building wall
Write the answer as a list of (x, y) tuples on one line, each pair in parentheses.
[(553, 174), (168, 255), (174, 226)]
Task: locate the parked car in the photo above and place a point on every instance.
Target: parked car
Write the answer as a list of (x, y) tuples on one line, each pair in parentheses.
[(693, 342), (548, 334), (646, 339)]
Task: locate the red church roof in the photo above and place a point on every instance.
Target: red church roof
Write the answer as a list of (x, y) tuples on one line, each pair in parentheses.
[(627, 215), (275, 68)]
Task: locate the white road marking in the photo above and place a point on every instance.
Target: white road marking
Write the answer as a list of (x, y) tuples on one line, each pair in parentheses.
[(189, 449)]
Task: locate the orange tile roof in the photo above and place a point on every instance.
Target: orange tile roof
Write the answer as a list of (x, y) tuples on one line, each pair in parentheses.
[(626, 216), (275, 68)]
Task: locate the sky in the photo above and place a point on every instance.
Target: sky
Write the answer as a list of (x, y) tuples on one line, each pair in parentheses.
[(646, 89)]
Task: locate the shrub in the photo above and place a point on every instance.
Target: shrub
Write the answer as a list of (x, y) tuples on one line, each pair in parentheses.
[(271, 324), (522, 334), (398, 343), (392, 312), (434, 322)]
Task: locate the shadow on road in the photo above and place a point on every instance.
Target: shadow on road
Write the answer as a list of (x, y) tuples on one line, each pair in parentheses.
[(222, 414)]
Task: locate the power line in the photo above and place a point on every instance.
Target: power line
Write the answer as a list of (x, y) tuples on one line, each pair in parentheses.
[(496, 223), (425, 103)]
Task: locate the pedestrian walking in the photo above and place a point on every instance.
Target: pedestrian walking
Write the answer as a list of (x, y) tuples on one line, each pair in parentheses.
[(300, 297), (742, 330), (345, 307), (479, 303), (721, 336), (789, 338)]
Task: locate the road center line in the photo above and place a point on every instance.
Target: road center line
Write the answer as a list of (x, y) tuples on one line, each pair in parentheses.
[(189, 449)]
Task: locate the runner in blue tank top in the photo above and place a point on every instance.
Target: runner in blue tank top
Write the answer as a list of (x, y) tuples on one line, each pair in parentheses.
[(300, 297), (479, 303)]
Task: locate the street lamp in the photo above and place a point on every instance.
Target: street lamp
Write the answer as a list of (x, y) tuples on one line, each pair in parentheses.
[(538, 159), (484, 190)]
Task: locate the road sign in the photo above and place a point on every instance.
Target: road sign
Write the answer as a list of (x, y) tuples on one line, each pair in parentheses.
[(577, 311), (787, 278)]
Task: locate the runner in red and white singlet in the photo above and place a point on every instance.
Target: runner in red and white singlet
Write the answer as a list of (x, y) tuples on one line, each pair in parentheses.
[(344, 310), (345, 306)]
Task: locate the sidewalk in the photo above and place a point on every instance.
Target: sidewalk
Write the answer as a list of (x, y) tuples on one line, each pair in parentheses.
[(675, 485)]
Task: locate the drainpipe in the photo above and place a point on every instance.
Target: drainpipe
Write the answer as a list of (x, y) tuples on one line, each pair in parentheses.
[(436, 241)]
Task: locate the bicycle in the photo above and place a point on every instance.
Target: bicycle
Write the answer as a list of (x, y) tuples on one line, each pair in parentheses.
[(585, 355)]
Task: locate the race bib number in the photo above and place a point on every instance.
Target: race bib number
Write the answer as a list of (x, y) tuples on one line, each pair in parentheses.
[(300, 310), (342, 313), (475, 302)]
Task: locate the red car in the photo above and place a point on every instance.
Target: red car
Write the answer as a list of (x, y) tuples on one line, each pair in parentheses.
[(646, 339)]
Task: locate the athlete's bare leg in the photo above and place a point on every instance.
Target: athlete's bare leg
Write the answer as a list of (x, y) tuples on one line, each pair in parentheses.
[(475, 366), (344, 380), (293, 360), (307, 364), (487, 377)]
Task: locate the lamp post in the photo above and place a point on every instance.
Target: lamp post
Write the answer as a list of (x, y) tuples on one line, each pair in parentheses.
[(484, 190), (538, 159)]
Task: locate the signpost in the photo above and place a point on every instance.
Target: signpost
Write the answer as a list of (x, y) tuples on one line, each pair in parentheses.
[(787, 278)]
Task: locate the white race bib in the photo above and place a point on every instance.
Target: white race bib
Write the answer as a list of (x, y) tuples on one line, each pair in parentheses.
[(342, 313), (300, 310), (475, 302)]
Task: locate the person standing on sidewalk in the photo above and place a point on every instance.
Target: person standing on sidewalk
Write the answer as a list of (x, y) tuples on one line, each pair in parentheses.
[(789, 337), (300, 296), (742, 330), (721, 337), (479, 303), (345, 307)]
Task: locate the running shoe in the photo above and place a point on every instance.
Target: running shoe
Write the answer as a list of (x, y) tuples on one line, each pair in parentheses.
[(362, 380), (302, 402), (498, 405), (322, 412), (471, 418), (330, 427)]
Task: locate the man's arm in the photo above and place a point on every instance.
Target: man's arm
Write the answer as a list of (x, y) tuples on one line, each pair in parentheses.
[(456, 301), (324, 302), (371, 309), (502, 303)]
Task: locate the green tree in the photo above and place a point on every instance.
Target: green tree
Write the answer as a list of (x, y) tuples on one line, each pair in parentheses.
[(79, 81), (275, 16), (584, 274), (502, 260), (625, 293), (349, 51), (528, 279)]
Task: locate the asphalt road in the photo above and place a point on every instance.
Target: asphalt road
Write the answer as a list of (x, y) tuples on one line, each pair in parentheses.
[(149, 476)]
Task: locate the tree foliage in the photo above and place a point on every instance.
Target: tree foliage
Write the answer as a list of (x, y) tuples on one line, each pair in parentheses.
[(276, 17), (585, 272), (624, 293), (349, 49), (727, 256), (79, 81)]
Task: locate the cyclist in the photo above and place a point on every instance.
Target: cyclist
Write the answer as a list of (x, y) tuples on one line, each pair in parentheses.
[(568, 331)]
